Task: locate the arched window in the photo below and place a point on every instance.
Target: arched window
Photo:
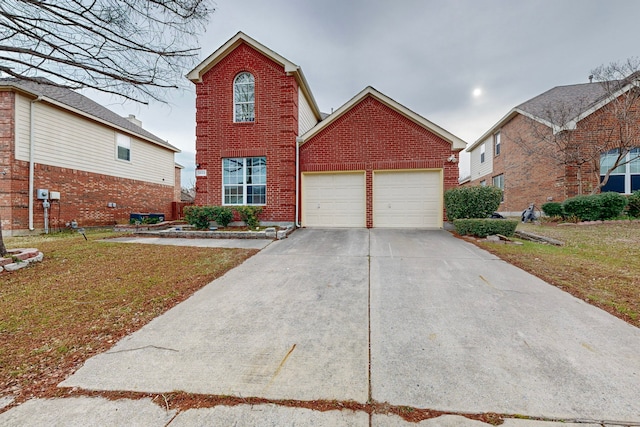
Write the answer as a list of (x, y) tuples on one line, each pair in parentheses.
[(243, 98)]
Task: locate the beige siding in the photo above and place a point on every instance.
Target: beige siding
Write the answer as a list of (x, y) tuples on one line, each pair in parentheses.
[(67, 140), (306, 119), (481, 169)]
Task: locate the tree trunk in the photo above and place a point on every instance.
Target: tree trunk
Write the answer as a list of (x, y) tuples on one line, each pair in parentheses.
[(3, 249)]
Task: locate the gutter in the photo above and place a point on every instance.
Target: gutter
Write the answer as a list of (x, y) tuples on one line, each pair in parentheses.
[(31, 159), (298, 142)]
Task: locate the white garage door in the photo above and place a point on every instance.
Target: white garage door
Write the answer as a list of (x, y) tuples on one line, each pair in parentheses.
[(407, 199), (333, 200)]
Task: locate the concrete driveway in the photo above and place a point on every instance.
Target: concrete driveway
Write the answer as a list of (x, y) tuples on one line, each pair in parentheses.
[(412, 318)]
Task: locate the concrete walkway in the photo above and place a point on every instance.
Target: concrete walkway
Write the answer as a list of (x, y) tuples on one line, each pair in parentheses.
[(411, 318)]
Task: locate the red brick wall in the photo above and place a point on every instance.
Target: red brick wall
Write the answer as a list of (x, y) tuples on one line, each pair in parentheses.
[(84, 197), (273, 133), (371, 136), (7, 129)]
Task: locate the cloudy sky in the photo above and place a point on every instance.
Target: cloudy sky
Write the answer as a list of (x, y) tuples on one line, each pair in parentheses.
[(462, 64)]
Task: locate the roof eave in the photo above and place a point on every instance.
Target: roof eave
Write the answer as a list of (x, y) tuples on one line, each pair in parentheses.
[(457, 144), (91, 117), (290, 68)]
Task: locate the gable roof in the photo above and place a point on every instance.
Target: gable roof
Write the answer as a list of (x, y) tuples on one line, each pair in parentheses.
[(290, 68), (562, 107), (80, 104), (456, 143)]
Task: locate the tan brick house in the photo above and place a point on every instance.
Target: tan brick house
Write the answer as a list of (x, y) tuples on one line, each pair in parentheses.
[(262, 140), (510, 155), (96, 165)]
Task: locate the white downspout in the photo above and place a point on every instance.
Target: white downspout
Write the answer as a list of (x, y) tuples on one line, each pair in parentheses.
[(31, 159), (298, 142)]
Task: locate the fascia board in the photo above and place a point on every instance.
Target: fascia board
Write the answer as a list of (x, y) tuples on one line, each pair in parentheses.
[(457, 143), (196, 74)]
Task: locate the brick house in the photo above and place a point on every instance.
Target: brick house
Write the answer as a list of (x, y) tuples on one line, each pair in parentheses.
[(262, 140), (533, 153), (96, 165)]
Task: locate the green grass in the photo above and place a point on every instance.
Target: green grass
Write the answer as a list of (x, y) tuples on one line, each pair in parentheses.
[(598, 263), (85, 296)]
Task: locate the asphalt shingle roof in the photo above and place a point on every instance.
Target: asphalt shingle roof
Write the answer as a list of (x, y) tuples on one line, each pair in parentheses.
[(80, 102), (563, 102)]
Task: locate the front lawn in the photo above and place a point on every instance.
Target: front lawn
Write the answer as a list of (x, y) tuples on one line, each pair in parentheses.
[(598, 263), (85, 296)]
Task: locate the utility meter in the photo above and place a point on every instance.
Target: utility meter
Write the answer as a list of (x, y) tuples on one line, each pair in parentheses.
[(42, 194)]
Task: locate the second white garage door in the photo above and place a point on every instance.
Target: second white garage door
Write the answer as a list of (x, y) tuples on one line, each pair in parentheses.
[(407, 199), (333, 200)]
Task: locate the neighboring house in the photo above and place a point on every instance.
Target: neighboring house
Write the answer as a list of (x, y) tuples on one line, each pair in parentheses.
[(573, 120), (96, 165), (261, 140)]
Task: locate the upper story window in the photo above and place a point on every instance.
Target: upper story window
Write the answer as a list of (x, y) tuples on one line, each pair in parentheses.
[(123, 147), (244, 98), (482, 152), (496, 143)]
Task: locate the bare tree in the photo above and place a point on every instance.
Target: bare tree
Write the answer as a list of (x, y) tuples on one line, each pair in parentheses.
[(136, 49), (575, 131), (132, 48), (617, 130)]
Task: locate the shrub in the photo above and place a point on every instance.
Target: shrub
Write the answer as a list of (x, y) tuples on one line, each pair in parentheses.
[(198, 216), (249, 214), (552, 209), (595, 207), (634, 204), (587, 208), (611, 205), (485, 227), (472, 202), (222, 215)]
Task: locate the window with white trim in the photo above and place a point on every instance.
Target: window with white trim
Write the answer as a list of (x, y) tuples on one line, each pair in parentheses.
[(482, 151), (244, 98), (123, 147), (496, 144), (498, 181), (244, 181), (624, 178)]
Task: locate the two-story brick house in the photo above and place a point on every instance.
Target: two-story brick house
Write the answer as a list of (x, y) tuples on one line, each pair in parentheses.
[(98, 166), (554, 146), (262, 140)]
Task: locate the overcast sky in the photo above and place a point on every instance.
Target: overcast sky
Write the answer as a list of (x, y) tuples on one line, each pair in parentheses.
[(428, 55)]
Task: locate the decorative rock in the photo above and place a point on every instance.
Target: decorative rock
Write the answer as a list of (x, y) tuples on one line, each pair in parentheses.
[(16, 266), (270, 232)]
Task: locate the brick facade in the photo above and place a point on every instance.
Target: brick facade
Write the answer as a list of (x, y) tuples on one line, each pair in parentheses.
[(371, 136), (84, 195), (271, 135), (534, 176)]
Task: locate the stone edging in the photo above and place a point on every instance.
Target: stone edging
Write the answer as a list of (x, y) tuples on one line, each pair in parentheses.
[(26, 256)]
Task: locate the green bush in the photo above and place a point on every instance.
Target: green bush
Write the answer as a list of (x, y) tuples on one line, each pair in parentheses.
[(552, 209), (472, 202), (595, 207), (249, 214), (634, 204), (222, 215), (199, 216), (485, 227), (611, 205)]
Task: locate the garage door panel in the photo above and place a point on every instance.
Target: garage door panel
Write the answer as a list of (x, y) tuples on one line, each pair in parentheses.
[(333, 200), (406, 199)]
